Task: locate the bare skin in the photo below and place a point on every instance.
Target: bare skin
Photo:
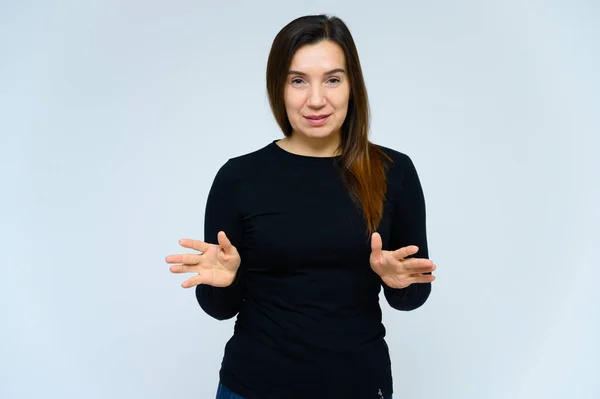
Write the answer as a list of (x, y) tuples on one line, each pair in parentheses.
[(395, 268), (317, 84), (216, 264)]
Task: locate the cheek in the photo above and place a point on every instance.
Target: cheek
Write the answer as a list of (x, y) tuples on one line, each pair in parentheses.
[(341, 98), (293, 102)]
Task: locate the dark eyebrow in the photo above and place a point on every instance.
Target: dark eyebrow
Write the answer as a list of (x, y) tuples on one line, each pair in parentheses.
[(336, 70)]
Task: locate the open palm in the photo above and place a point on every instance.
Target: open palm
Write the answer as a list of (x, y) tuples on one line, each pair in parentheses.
[(216, 265), (396, 268)]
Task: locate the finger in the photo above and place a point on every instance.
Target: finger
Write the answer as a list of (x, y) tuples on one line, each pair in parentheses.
[(224, 242), (421, 278), (405, 252), (376, 245), (427, 269), (182, 269), (192, 282), (186, 259), (417, 265), (415, 270), (194, 244)]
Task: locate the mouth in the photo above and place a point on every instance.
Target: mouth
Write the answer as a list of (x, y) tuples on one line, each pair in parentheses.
[(317, 120)]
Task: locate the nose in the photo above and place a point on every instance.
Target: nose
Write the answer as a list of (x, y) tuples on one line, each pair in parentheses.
[(316, 98)]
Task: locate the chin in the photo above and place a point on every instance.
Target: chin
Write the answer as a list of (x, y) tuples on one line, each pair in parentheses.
[(318, 133)]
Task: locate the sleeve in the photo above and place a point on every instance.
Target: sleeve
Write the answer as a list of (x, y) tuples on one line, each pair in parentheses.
[(222, 214), (408, 228)]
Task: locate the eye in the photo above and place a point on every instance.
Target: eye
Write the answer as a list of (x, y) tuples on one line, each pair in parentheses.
[(334, 80), (297, 81)]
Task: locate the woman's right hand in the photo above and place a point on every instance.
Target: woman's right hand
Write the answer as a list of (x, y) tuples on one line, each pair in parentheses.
[(217, 265)]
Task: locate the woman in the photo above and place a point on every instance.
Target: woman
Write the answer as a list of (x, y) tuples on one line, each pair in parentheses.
[(302, 234)]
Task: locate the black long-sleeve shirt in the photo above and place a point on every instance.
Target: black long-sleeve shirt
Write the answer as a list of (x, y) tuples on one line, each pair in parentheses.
[(307, 301)]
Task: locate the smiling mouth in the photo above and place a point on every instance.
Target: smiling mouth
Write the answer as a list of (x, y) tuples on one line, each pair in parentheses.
[(316, 117), (317, 120)]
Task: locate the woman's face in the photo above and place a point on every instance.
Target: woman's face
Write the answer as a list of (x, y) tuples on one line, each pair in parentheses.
[(317, 90)]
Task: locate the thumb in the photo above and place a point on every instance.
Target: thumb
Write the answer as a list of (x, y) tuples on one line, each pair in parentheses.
[(376, 245), (224, 242)]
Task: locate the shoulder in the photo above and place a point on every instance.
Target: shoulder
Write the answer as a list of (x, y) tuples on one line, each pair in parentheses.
[(401, 173), (241, 165), (396, 161)]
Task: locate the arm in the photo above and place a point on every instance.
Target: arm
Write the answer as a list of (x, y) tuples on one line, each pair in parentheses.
[(408, 228), (222, 214)]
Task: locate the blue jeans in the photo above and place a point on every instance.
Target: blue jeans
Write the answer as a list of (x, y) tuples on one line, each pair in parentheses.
[(225, 393)]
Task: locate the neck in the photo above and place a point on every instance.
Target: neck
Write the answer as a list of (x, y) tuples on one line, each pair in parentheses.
[(314, 147)]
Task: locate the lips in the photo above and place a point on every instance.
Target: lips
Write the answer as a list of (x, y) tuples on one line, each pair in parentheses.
[(317, 120), (317, 117)]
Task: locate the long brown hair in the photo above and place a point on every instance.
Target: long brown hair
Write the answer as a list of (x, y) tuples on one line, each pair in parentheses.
[(363, 169)]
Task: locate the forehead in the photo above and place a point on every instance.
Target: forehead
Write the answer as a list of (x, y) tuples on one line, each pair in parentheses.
[(323, 56)]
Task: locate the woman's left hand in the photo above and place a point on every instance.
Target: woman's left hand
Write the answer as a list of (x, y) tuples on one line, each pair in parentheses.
[(395, 269)]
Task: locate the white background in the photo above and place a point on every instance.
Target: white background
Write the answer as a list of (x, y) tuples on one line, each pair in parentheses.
[(115, 116)]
